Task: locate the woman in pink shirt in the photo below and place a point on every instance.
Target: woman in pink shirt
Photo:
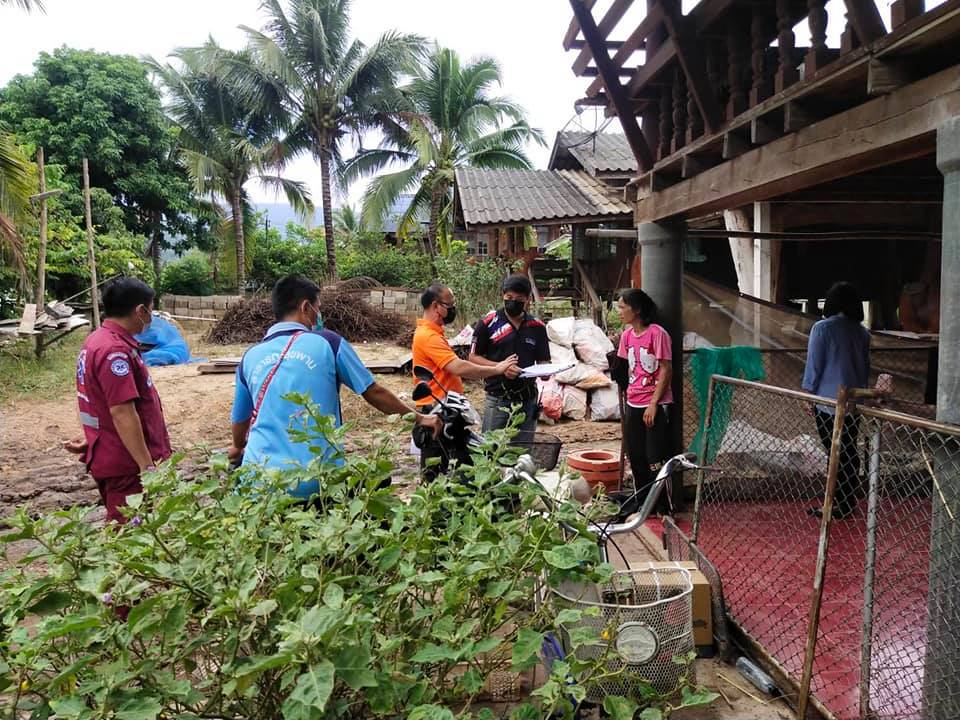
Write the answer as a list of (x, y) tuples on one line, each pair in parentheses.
[(646, 348)]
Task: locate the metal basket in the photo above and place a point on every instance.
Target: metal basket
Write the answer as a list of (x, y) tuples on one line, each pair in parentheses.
[(544, 448), (646, 618)]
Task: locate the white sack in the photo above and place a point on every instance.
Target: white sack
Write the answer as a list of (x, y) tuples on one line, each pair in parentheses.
[(561, 330), (560, 355), (574, 403), (591, 344), (604, 404)]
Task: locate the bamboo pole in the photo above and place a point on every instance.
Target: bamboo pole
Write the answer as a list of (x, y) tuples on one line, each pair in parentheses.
[(42, 253), (91, 252)]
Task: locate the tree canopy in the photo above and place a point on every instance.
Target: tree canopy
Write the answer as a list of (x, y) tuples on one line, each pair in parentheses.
[(447, 118), (81, 103)]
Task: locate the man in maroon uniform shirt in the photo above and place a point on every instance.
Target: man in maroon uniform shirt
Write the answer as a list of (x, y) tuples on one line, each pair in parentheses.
[(124, 433)]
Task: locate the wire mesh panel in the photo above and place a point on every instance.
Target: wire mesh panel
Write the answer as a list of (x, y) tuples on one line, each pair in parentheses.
[(680, 547), (887, 644), (911, 615), (753, 521), (910, 367)]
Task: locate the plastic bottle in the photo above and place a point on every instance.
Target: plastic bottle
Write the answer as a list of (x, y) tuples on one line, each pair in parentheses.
[(757, 677)]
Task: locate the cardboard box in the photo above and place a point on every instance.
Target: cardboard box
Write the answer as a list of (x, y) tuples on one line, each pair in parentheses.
[(700, 602)]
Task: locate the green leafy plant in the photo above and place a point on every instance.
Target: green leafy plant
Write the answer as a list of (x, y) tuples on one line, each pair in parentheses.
[(190, 275), (474, 282), (221, 598), (388, 265)]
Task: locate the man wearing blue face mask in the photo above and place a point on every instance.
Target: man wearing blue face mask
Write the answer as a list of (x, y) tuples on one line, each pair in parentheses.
[(298, 355)]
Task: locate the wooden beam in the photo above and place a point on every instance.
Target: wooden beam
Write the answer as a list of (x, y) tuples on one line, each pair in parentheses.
[(694, 66), (646, 72), (691, 165), (884, 76), (762, 132), (733, 146), (574, 28), (635, 41), (606, 25), (611, 45), (880, 132), (865, 19), (594, 72), (611, 82), (796, 116), (28, 320)]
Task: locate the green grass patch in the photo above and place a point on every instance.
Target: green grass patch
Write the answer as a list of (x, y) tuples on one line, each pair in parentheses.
[(21, 373)]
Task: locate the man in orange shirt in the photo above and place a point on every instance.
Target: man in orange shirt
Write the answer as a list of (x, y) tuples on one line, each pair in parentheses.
[(432, 351)]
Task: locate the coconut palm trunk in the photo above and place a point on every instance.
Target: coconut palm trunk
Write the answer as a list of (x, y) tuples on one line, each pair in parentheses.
[(327, 199), (237, 202), (435, 200)]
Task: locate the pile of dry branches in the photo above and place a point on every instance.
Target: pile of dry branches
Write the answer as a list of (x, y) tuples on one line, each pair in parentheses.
[(345, 313)]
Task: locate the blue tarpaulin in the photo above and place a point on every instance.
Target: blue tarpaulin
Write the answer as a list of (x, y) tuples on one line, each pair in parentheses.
[(169, 347)]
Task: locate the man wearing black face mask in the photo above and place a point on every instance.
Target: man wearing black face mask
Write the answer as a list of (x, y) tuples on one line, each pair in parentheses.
[(511, 331)]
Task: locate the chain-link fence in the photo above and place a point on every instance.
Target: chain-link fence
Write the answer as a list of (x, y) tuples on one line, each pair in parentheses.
[(864, 607), (912, 368)]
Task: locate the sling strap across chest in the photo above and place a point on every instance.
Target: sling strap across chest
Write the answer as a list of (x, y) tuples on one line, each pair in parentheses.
[(267, 380)]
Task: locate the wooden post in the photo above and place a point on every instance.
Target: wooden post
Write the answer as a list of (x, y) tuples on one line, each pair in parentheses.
[(42, 252), (816, 596), (91, 253)]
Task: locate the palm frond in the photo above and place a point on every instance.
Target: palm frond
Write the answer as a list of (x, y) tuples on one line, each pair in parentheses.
[(295, 191), (382, 193), (370, 162)]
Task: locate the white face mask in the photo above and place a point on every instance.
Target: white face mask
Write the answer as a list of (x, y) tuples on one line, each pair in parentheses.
[(146, 323)]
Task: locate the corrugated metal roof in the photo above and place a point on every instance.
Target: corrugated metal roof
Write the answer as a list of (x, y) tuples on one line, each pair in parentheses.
[(600, 152), (500, 197)]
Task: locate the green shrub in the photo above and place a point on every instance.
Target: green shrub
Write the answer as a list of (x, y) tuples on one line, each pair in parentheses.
[(190, 275), (274, 258), (225, 600), (388, 265), (474, 282)]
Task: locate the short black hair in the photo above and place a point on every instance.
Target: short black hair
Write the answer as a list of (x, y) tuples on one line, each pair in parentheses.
[(121, 295), (844, 298), (289, 292), (429, 296), (517, 283), (640, 303)]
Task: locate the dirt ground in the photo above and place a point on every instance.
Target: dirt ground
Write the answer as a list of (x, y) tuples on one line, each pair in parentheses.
[(36, 472)]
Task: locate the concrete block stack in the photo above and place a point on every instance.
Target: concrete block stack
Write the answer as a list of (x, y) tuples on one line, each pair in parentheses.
[(210, 306)]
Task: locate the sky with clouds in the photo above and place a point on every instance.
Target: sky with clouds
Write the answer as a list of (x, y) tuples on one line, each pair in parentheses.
[(523, 35)]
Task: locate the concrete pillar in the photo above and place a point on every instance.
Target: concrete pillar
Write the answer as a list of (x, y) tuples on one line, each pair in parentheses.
[(948, 387), (661, 277), (941, 679), (766, 254)]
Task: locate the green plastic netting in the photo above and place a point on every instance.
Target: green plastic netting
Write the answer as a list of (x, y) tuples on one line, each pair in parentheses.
[(739, 362)]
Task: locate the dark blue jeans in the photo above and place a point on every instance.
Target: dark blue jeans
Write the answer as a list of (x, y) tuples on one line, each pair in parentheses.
[(496, 413)]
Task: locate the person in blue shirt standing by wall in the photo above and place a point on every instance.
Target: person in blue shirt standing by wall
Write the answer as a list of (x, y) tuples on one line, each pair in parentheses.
[(838, 353), (298, 356)]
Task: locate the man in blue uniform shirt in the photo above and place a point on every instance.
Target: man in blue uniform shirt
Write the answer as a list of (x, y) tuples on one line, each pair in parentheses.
[(296, 356)]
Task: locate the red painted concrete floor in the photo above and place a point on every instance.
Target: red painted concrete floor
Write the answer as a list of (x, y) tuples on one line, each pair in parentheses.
[(766, 554)]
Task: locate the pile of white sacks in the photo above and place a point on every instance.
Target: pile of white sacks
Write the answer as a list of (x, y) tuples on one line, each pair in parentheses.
[(585, 390)]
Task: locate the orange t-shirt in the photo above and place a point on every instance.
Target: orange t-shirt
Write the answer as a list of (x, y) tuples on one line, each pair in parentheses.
[(432, 351)]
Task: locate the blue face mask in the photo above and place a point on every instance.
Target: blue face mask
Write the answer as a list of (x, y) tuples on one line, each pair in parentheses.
[(318, 325)]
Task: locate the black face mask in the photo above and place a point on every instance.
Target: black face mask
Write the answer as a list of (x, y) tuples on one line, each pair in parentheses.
[(513, 308), (451, 315)]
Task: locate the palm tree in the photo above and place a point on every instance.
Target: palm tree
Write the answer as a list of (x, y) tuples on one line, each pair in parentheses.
[(329, 85), (17, 183), (224, 143), (449, 120), (348, 225)]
